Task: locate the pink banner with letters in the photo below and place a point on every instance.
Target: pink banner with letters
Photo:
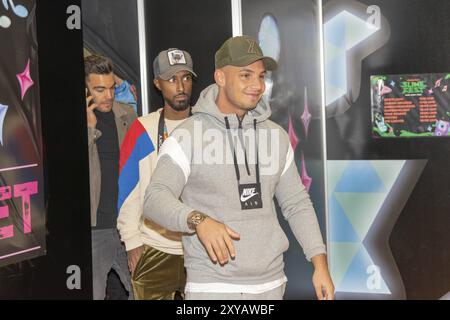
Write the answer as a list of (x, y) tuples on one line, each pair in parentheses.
[(22, 209)]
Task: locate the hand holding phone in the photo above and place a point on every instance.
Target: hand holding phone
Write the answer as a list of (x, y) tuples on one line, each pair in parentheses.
[(90, 107), (89, 98)]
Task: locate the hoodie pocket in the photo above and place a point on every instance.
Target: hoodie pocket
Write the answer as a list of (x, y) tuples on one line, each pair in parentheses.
[(259, 252)]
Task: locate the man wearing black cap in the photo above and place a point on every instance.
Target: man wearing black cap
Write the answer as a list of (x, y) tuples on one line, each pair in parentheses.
[(155, 255), (216, 179)]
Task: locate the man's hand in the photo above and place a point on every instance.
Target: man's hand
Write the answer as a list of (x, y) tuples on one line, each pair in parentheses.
[(118, 80), (134, 92), (322, 282), (133, 257), (217, 240), (90, 107)]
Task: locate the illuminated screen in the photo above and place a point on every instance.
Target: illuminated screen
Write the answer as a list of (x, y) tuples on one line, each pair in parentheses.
[(410, 105)]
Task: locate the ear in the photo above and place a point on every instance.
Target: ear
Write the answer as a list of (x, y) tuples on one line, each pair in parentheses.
[(219, 77), (88, 85), (157, 84), (87, 79)]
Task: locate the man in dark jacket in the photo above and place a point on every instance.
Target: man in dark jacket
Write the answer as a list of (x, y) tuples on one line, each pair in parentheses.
[(107, 122)]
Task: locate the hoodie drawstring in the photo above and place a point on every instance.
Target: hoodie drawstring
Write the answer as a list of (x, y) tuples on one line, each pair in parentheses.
[(230, 138), (241, 138)]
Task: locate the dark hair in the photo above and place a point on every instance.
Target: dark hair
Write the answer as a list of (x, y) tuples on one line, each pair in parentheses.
[(97, 64)]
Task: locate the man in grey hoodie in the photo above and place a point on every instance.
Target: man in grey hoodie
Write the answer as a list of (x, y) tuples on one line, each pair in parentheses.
[(215, 181)]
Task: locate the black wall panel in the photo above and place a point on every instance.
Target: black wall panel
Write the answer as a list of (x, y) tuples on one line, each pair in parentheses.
[(197, 26)]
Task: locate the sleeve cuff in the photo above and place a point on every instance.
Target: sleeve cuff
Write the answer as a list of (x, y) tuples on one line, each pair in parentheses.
[(315, 252), (133, 243), (182, 222), (94, 133)]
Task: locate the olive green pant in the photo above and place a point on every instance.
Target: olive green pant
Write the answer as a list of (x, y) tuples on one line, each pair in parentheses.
[(158, 275)]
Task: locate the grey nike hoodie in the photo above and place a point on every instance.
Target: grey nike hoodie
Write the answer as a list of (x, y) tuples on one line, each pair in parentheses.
[(196, 166)]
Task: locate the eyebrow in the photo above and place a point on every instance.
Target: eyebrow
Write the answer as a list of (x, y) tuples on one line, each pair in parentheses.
[(251, 71), (183, 75), (103, 87)]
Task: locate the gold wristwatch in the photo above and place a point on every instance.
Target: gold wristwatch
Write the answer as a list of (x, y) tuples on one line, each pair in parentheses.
[(194, 219)]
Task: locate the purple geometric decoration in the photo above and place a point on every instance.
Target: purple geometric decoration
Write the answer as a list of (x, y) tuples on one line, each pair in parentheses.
[(306, 116)]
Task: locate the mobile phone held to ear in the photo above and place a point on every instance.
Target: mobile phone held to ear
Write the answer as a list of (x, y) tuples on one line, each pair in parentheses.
[(88, 94)]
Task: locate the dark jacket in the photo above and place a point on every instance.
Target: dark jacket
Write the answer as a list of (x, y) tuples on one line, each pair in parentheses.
[(125, 116)]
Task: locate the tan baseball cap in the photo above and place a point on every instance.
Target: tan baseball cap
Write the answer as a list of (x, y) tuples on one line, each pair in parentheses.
[(241, 51), (171, 61)]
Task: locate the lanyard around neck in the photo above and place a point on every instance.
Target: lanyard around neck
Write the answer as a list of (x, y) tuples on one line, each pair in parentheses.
[(236, 167), (161, 129)]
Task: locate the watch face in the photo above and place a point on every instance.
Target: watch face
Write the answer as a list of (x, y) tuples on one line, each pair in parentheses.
[(198, 218), (195, 220)]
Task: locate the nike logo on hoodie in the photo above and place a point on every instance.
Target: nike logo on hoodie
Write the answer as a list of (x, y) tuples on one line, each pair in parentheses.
[(248, 194)]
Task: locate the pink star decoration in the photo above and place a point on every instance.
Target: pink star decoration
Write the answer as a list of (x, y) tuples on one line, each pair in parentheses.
[(306, 116), (306, 180), (25, 80), (292, 134)]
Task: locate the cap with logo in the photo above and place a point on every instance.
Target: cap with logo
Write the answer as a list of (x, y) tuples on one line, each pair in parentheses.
[(171, 61), (241, 51)]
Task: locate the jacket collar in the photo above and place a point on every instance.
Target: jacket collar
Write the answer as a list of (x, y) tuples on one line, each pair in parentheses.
[(119, 112)]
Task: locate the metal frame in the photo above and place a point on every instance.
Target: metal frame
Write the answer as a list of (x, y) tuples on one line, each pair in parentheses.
[(143, 56), (236, 16), (324, 125)]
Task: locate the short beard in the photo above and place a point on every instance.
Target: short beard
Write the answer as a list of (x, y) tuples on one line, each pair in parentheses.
[(179, 106)]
